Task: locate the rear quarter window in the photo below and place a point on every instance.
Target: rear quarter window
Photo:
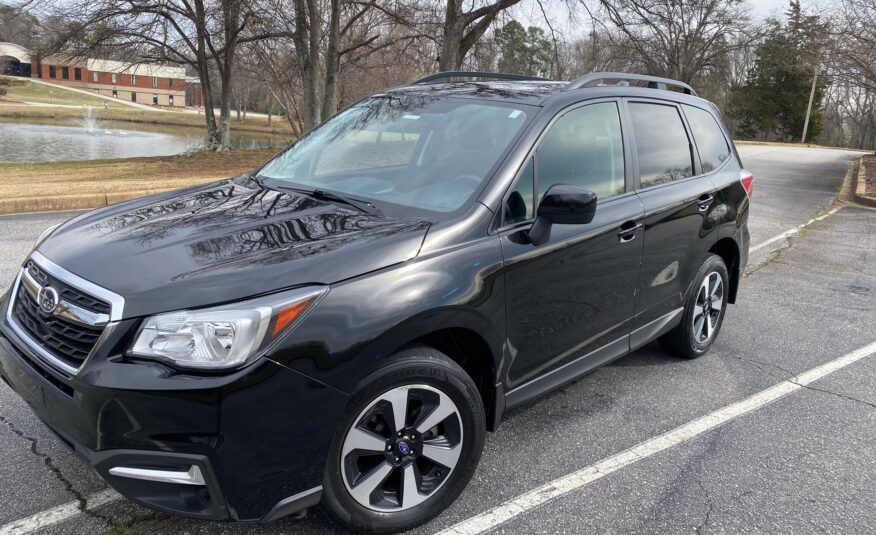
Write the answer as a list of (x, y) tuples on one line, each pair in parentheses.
[(710, 140)]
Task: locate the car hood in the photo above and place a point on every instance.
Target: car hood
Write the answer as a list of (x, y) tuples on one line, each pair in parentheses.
[(223, 242)]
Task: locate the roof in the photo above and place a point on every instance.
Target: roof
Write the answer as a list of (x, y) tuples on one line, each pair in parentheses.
[(15, 51), (536, 91), (119, 67), (522, 92)]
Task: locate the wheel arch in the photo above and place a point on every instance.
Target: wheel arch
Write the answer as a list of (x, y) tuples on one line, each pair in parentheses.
[(465, 336), (728, 250)]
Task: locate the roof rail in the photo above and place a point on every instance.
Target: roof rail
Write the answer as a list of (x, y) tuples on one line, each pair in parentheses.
[(447, 75), (654, 82)]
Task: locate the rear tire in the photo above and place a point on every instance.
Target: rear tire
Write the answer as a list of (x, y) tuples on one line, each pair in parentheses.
[(703, 311), (409, 443)]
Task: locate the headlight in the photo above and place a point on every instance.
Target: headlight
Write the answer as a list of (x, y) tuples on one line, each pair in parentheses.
[(225, 336)]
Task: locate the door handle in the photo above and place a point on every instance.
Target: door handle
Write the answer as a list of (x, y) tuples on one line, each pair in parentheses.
[(627, 231), (705, 201)]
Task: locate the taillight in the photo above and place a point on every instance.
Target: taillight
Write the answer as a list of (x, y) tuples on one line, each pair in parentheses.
[(747, 180)]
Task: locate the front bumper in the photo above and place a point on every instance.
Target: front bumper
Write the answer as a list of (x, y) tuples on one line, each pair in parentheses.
[(256, 439)]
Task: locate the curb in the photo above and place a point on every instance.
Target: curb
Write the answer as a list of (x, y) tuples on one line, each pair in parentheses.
[(82, 201), (859, 186), (797, 145)]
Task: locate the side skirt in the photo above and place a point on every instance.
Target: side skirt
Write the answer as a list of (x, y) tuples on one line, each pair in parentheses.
[(568, 372), (655, 328), (599, 357)]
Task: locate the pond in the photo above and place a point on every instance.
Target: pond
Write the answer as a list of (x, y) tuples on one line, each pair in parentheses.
[(34, 140)]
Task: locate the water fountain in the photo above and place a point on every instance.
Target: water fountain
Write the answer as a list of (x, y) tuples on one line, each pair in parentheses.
[(88, 121)]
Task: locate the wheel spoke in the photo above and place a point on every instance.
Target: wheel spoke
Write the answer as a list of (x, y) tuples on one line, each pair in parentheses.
[(442, 455), (707, 326), (398, 399), (718, 303), (363, 490), (699, 324), (410, 493), (698, 310), (440, 413), (359, 439)]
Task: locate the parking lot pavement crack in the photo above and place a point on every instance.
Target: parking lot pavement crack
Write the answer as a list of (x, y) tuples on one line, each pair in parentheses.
[(792, 378), (707, 517), (81, 500)]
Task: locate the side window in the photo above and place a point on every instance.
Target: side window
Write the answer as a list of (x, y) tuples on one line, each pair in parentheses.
[(519, 204), (661, 143), (583, 148), (713, 147)]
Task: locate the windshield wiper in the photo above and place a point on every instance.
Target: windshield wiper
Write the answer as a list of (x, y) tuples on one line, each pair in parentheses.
[(363, 206)]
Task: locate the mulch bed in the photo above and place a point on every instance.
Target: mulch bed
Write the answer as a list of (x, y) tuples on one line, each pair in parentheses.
[(870, 175)]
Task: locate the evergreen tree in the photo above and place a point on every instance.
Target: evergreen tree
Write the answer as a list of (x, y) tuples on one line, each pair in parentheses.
[(772, 104), (523, 51)]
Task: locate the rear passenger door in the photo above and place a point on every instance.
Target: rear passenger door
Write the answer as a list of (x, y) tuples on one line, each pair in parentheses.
[(676, 203)]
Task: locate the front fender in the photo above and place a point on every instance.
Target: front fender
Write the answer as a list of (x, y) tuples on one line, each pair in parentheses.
[(363, 321)]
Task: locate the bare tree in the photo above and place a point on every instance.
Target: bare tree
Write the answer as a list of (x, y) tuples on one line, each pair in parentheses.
[(854, 43), (319, 39), (680, 39), (462, 29)]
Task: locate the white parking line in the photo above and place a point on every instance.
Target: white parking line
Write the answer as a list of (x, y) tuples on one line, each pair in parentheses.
[(53, 516), (583, 477), (787, 234)]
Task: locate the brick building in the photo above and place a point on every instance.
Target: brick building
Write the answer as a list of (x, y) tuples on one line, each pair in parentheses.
[(143, 83)]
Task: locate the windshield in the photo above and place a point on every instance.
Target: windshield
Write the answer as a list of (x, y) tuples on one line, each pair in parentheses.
[(415, 151)]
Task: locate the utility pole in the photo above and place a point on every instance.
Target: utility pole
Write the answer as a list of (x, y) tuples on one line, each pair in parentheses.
[(809, 107)]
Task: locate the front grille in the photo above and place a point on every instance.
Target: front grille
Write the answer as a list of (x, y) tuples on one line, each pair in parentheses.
[(67, 341), (66, 292)]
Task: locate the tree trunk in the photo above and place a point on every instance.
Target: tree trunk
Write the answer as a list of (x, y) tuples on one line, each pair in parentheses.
[(452, 36), (308, 26), (332, 62)]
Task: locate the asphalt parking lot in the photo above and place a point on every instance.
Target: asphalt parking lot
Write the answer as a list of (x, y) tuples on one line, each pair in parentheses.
[(798, 457)]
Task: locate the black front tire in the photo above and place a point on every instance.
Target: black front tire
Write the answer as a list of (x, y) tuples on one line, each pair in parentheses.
[(687, 339), (419, 365)]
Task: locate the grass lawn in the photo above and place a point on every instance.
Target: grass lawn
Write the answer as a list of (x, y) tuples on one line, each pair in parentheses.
[(18, 180), (27, 91), (24, 90), (252, 124)]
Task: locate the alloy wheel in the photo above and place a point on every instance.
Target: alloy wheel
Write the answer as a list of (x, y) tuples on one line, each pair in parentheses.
[(707, 309), (402, 448)]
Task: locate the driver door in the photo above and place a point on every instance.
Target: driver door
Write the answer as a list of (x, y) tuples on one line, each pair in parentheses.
[(570, 301)]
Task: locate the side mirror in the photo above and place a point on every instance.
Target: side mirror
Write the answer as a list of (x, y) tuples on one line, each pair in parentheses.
[(564, 205)]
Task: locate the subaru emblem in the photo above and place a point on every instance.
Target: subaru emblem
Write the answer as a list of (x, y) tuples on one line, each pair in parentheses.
[(404, 448), (48, 299)]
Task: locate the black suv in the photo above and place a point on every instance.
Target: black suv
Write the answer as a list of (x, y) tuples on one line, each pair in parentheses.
[(343, 325)]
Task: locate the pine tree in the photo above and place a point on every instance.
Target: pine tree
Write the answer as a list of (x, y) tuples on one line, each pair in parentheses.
[(772, 104)]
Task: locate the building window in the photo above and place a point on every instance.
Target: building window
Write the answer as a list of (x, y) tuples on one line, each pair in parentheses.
[(155, 100), (154, 81), (53, 71), (115, 94), (77, 73), (133, 96), (133, 79), (170, 100), (115, 78), (65, 73), (170, 83), (95, 76)]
